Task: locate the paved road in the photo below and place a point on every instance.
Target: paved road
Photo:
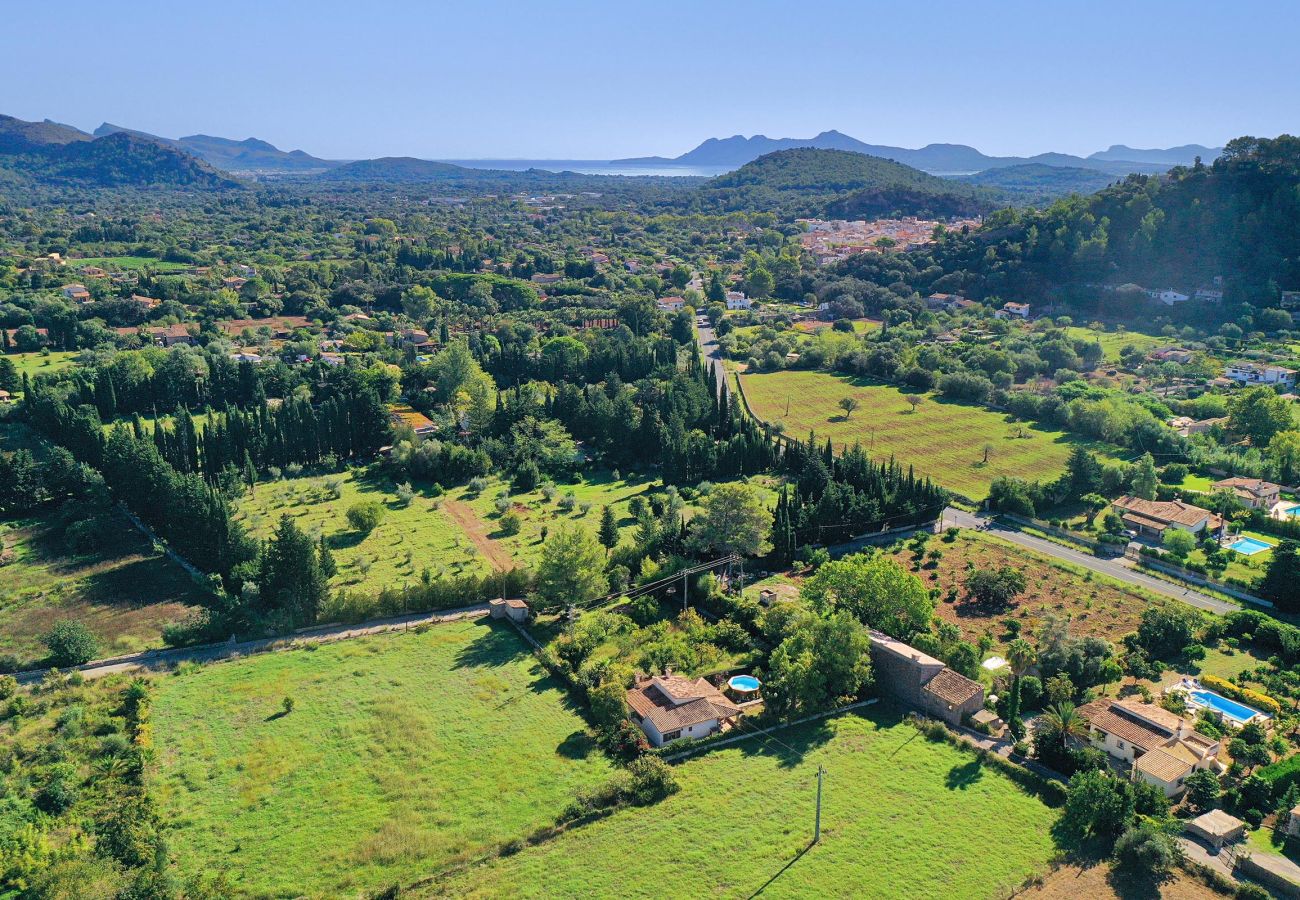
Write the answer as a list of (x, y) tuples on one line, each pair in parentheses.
[(161, 659), (713, 353), (1120, 569)]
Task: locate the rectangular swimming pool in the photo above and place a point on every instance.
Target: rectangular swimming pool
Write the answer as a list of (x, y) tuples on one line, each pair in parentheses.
[(1238, 713), (1248, 546)]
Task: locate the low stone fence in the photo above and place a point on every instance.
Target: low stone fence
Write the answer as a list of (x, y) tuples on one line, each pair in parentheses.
[(1064, 534)]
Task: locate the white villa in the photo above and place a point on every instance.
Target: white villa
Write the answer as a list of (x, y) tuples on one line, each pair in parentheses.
[(1162, 747)]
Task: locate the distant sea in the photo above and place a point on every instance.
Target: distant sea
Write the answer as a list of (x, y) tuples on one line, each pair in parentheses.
[(589, 167)]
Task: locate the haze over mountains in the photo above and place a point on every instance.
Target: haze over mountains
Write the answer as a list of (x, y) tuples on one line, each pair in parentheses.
[(937, 159), (883, 177)]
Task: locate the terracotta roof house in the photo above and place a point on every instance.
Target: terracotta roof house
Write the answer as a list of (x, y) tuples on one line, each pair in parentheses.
[(76, 292), (923, 682), (1162, 747), (670, 304), (234, 282), (403, 414), (1255, 493), (1011, 309), (671, 708), (1154, 517)]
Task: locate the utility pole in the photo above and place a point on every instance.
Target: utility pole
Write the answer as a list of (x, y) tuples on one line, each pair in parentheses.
[(685, 589), (817, 828)]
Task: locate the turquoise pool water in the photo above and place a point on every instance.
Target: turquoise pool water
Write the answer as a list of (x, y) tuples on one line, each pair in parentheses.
[(1249, 546), (1229, 709), (1292, 512), (743, 683)]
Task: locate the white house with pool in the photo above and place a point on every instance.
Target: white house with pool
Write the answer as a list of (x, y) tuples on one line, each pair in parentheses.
[(670, 708), (1162, 747)]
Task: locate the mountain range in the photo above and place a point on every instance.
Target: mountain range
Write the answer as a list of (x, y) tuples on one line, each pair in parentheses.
[(250, 155), (59, 155), (937, 159)]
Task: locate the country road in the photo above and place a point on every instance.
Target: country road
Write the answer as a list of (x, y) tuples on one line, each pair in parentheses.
[(150, 660), (1119, 569), (712, 353)]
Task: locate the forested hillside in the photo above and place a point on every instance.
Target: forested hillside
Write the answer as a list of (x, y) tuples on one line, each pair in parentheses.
[(1238, 218), (34, 153), (808, 182)]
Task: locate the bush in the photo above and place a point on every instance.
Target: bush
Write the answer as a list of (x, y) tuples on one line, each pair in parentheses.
[(652, 780), (511, 523), (70, 644), (365, 516), (1144, 851)]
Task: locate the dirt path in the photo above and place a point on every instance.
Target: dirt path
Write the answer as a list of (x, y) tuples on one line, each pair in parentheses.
[(476, 530)]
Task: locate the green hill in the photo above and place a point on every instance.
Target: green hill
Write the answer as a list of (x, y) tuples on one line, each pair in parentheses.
[(1237, 219), (1036, 182), (839, 183), (46, 153), (401, 169)]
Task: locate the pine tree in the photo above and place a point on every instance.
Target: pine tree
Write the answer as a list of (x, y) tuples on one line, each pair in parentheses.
[(608, 529), (327, 565)]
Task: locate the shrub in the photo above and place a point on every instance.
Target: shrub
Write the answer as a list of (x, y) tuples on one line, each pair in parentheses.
[(405, 493), (365, 516), (8, 686), (70, 644), (652, 780), (568, 502), (511, 523)]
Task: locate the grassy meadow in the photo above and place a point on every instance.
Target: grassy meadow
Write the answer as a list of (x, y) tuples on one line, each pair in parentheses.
[(38, 363), (124, 591), (403, 754), (129, 263), (901, 816), (942, 439), (1113, 343)]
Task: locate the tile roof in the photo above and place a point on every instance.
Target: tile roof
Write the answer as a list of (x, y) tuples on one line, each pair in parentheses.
[(1173, 511), (1162, 765), (1109, 716), (703, 702), (952, 687)]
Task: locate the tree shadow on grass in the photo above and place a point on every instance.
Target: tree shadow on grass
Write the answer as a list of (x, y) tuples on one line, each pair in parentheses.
[(345, 540), (790, 745), (578, 745), (962, 776), (493, 647)]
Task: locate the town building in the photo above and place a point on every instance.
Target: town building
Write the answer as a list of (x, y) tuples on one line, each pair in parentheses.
[(1012, 310), (76, 292), (670, 304), (922, 682), (669, 708), (737, 300), (1162, 747), (1152, 518)]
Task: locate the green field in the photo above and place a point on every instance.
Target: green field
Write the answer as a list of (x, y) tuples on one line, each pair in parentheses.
[(454, 533), (901, 817), (41, 363), (124, 591), (1114, 342), (403, 754), (942, 439), (411, 536), (128, 263)]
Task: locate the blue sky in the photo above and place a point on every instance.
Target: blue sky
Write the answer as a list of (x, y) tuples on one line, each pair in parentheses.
[(593, 80)]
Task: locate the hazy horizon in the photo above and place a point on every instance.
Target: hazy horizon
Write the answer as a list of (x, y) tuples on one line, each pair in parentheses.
[(578, 80)]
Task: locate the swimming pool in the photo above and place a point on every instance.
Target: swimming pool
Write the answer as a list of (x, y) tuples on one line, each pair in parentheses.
[(1292, 511), (1249, 546), (744, 683), (1229, 709)]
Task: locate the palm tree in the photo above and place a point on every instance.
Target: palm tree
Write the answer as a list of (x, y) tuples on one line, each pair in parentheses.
[(1020, 656), (1064, 721)]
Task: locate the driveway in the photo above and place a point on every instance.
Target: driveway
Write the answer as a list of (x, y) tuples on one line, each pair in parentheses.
[(1120, 568)]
